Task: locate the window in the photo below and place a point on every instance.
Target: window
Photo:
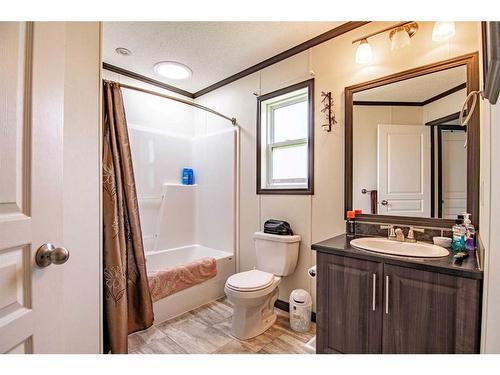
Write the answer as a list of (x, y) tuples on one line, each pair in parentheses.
[(285, 140)]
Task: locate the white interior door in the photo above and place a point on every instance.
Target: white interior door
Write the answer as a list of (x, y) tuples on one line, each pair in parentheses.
[(454, 173), (39, 304), (403, 170)]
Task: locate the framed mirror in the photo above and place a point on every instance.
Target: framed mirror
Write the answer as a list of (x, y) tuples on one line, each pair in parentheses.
[(407, 159)]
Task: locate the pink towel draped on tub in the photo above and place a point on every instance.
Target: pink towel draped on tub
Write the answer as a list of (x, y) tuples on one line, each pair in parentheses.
[(174, 279)]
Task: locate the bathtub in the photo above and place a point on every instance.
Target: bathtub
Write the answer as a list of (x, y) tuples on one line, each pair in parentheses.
[(198, 295)]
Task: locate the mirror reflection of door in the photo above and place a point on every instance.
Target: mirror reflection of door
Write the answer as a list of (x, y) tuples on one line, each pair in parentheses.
[(403, 170), (397, 133), (452, 175)]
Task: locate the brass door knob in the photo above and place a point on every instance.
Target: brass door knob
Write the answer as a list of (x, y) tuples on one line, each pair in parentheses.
[(48, 254)]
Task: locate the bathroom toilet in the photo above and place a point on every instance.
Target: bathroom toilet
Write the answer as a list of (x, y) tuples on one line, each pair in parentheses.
[(253, 293)]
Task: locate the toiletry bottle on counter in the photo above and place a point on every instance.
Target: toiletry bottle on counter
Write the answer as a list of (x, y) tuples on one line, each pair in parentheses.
[(458, 241), (470, 233), (350, 225)]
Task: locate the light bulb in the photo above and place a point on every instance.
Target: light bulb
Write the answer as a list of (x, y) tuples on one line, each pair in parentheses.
[(443, 31), (364, 53), (399, 39)]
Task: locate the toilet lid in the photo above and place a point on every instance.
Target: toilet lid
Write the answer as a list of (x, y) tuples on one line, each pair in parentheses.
[(250, 280)]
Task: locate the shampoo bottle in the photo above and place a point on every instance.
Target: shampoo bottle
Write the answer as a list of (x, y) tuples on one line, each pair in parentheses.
[(187, 176)]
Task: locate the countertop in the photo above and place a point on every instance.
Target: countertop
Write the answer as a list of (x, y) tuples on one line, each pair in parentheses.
[(341, 245)]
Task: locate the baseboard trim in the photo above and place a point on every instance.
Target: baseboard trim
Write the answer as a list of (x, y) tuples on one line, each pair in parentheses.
[(285, 306)]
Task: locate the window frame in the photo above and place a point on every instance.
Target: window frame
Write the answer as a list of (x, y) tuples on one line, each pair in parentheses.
[(288, 188)]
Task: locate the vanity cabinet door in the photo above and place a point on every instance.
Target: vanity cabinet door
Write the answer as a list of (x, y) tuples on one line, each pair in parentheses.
[(428, 312), (349, 305)]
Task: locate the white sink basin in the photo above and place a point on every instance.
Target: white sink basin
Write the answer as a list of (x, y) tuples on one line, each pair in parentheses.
[(407, 249)]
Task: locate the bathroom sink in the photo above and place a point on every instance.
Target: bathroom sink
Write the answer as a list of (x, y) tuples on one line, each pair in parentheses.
[(407, 249)]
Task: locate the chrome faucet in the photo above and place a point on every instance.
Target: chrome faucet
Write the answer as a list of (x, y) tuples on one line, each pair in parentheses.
[(391, 235), (411, 234), (397, 234), (400, 236)]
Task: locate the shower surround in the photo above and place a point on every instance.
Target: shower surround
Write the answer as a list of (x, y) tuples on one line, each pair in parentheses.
[(183, 223)]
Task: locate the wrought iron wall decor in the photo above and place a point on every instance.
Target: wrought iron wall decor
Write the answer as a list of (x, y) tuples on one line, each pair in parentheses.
[(327, 103)]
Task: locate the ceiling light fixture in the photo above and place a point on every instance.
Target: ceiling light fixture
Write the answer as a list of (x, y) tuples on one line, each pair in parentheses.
[(443, 31), (172, 70), (123, 51), (364, 53)]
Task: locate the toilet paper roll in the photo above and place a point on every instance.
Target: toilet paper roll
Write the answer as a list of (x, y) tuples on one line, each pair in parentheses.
[(312, 272)]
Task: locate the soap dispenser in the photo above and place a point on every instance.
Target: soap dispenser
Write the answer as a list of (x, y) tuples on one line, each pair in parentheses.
[(458, 241)]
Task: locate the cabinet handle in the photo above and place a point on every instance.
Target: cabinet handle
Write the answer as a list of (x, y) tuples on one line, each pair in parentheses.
[(374, 291), (387, 294)]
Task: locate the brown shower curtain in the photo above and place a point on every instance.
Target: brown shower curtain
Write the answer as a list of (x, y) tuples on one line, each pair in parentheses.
[(127, 300)]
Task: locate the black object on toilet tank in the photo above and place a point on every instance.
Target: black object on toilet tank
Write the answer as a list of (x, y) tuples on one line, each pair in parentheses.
[(280, 227)]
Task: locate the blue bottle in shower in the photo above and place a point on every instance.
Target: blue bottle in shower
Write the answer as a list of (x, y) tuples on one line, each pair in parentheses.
[(187, 176)]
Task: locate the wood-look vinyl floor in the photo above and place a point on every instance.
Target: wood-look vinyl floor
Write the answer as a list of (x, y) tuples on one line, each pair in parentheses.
[(207, 330)]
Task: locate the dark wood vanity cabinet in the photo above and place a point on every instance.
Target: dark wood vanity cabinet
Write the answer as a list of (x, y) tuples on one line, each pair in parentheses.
[(429, 312), (349, 299), (366, 306)]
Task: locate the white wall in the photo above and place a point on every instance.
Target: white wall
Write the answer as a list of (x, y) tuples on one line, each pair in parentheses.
[(365, 124), (158, 158), (215, 166), (81, 180), (489, 222), (444, 106), (320, 216)]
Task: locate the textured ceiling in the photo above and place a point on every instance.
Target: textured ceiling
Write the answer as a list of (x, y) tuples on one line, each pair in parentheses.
[(416, 89), (213, 50)]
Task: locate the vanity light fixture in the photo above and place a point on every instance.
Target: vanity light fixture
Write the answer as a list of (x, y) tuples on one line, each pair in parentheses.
[(400, 35), (364, 53), (172, 70), (443, 31)]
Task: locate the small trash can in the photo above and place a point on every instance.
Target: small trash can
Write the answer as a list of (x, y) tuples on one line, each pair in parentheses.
[(300, 310)]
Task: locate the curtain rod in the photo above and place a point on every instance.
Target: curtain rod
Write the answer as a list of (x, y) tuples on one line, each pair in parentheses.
[(180, 100)]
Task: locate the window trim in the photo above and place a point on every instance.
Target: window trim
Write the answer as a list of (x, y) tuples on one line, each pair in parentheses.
[(288, 189)]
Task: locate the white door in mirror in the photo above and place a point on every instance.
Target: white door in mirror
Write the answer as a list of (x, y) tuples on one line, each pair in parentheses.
[(403, 170), (407, 249)]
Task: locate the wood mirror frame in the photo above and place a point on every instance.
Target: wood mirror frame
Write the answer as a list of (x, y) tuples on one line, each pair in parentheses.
[(471, 61)]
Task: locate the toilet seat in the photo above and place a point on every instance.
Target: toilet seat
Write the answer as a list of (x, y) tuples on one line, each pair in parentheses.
[(250, 281)]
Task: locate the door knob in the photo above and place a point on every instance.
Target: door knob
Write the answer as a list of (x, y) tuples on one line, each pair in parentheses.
[(48, 254), (384, 203)]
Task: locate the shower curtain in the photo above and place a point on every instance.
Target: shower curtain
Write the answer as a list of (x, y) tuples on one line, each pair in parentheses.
[(127, 301)]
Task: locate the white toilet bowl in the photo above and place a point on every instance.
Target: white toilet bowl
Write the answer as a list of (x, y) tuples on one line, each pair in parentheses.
[(253, 294)]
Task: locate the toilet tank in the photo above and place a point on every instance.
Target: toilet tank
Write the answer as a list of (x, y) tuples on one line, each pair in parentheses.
[(276, 254)]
